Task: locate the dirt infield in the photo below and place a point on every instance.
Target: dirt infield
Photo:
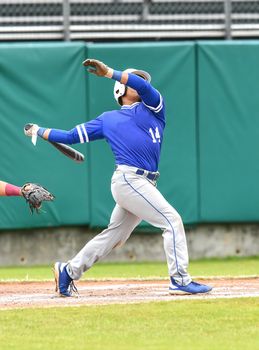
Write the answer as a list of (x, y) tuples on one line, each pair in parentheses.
[(41, 294)]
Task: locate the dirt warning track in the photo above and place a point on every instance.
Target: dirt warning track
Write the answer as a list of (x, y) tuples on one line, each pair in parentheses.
[(41, 294)]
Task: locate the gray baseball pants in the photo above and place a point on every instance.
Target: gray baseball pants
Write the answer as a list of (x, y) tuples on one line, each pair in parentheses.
[(137, 199)]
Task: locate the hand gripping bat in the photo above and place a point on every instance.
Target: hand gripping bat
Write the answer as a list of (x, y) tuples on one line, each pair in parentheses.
[(66, 150)]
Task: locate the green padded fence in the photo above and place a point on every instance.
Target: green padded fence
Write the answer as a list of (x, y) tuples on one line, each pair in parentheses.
[(209, 162), (45, 84), (229, 131)]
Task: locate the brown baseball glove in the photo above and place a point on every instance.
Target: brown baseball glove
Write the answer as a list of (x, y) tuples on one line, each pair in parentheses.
[(34, 195)]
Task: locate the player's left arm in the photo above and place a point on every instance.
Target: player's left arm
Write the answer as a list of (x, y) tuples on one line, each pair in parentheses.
[(149, 95), (85, 132), (75, 135)]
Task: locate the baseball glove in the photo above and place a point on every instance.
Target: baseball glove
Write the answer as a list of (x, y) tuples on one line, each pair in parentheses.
[(35, 194)]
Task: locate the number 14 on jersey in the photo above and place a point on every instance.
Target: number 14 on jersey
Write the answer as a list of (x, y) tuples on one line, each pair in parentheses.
[(155, 135)]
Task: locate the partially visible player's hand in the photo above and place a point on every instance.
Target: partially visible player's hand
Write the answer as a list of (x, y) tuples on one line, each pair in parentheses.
[(31, 129), (96, 67), (35, 194)]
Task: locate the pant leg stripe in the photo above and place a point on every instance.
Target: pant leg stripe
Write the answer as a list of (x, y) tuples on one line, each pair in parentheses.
[(176, 261)]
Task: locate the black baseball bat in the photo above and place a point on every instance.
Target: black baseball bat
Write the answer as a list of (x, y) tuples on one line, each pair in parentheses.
[(65, 149), (68, 151)]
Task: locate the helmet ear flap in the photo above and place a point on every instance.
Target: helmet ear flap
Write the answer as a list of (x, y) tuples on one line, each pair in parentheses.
[(119, 90), (120, 98)]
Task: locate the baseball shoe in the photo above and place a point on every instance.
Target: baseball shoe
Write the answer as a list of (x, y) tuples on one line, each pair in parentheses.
[(64, 284), (191, 288)]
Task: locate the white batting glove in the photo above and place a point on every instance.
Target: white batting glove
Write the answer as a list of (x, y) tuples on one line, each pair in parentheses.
[(31, 130)]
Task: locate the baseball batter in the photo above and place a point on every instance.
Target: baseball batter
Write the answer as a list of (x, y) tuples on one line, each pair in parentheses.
[(135, 135)]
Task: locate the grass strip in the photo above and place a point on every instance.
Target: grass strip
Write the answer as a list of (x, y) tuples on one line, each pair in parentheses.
[(209, 267)]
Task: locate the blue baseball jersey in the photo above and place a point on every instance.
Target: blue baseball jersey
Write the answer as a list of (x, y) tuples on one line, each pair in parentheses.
[(134, 133)]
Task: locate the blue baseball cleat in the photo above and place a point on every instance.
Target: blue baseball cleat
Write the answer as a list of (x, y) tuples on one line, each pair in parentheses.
[(191, 288), (64, 284)]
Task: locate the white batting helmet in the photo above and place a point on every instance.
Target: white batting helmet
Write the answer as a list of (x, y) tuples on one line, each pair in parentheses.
[(120, 89)]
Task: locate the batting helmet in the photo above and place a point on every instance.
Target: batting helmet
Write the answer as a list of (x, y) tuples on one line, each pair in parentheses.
[(120, 89)]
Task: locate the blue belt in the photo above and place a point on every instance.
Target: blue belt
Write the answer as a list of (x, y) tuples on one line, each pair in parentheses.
[(149, 175)]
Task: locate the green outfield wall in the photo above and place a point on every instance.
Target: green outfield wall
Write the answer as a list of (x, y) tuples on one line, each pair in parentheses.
[(209, 162), (228, 116), (45, 84)]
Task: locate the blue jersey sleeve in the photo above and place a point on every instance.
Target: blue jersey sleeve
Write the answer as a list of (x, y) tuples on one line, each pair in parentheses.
[(149, 95), (151, 98), (90, 131), (94, 129), (63, 136)]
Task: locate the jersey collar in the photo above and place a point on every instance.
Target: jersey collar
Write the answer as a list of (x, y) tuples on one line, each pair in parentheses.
[(130, 106)]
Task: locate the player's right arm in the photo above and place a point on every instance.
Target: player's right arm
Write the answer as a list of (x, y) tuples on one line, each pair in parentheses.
[(149, 95)]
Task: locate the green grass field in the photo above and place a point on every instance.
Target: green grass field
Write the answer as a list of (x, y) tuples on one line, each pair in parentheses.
[(219, 324), (210, 267), (216, 325)]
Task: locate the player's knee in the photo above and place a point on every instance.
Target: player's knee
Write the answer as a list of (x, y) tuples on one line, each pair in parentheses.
[(175, 220)]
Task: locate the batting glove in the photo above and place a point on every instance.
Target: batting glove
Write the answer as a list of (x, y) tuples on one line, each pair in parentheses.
[(96, 67), (31, 130)]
